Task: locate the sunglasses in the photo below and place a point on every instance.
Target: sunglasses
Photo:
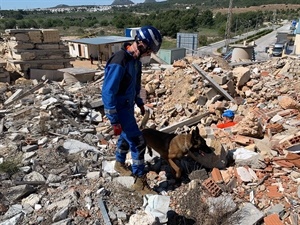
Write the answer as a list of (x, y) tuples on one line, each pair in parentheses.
[(145, 48)]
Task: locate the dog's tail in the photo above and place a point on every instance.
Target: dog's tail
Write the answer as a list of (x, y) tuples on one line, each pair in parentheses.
[(145, 119)]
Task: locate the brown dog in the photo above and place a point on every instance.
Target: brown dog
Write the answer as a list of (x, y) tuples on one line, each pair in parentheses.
[(175, 146)]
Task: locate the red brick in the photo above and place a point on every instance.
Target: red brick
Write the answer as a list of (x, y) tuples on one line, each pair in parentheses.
[(212, 187), (268, 169), (293, 158), (273, 192), (242, 140), (265, 114), (264, 73), (216, 175), (284, 163), (273, 219), (288, 112), (275, 127)]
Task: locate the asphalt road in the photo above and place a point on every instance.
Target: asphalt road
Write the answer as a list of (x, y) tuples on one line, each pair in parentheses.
[(261, 43), (266, 41)]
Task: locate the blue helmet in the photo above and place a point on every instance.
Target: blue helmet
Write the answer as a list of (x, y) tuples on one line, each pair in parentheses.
[(228, 113), (150, 36)]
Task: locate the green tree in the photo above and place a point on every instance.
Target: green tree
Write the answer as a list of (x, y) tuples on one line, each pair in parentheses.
[(9, 23), (206, 18), (203, 40), (104, 23)]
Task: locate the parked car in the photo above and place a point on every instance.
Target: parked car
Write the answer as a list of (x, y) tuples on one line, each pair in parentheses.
[(278, 49)]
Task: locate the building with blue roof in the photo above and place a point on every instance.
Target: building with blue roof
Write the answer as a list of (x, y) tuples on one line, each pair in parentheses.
[(100, 48)]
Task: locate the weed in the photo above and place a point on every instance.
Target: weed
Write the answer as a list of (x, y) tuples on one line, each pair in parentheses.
[(193, 207), (10, 167), (191, 92)]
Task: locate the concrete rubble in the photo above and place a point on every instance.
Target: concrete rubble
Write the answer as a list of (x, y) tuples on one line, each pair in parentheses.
[(57, 148)]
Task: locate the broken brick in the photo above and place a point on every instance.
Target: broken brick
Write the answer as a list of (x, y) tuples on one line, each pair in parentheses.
[(275, 128), (265, 115), (264, 73), (242, 140), (293, 158), (216, 175), (288, 113), (284, 163), (273, 219), (273, 192), (212, 187)]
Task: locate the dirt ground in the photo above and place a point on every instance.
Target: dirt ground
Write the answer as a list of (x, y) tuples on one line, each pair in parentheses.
[(86, 64)]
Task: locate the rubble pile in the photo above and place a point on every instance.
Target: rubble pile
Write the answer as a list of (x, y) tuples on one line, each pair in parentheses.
[(57, 148)]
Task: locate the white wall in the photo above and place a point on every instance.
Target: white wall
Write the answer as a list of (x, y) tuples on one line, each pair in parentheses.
[(78, 50), (297, 44)]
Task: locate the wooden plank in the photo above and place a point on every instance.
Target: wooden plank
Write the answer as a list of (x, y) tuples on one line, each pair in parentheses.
[(216, 86), (188, 122), (23, 95)]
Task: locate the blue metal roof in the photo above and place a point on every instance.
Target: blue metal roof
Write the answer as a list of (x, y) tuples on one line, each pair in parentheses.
[(102, 40)]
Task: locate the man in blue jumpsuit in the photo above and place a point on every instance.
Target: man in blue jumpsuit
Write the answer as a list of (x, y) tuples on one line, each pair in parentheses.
[(120, 92)]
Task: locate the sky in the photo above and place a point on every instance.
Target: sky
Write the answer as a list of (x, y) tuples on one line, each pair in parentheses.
[(31, 4)]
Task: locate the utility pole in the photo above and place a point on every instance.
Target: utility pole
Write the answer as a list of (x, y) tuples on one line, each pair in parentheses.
[(228, 26)]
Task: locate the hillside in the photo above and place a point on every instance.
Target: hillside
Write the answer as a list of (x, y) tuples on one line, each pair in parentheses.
[(240, 3), (122, 2), (270, 7), (149, 1)]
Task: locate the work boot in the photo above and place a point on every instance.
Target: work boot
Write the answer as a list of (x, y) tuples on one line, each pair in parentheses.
[(122, 169), (140, 185)]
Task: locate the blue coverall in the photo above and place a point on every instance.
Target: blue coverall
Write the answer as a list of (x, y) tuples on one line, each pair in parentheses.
[(120, 92)]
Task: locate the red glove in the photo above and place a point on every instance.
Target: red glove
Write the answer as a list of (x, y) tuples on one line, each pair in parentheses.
[(117, 129), (142, 108)]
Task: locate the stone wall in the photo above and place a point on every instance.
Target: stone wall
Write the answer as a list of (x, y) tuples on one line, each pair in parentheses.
[(35, 49)]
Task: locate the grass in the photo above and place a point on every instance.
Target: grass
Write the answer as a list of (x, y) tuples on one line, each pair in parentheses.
[(10, 167), (168, 43), (208, 32)]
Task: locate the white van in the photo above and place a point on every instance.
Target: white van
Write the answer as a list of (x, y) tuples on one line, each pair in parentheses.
[(278, 49)]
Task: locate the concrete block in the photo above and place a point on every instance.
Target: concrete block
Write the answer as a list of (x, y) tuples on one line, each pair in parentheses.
[(47, 46), (231, 88), (23, 56), (242, 74), (53, 75), (21, 37), (20, 45), (35, 36), (220, 79), (50, 36), (247, 215), (201, 100), (53, 66), (211, 93)]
